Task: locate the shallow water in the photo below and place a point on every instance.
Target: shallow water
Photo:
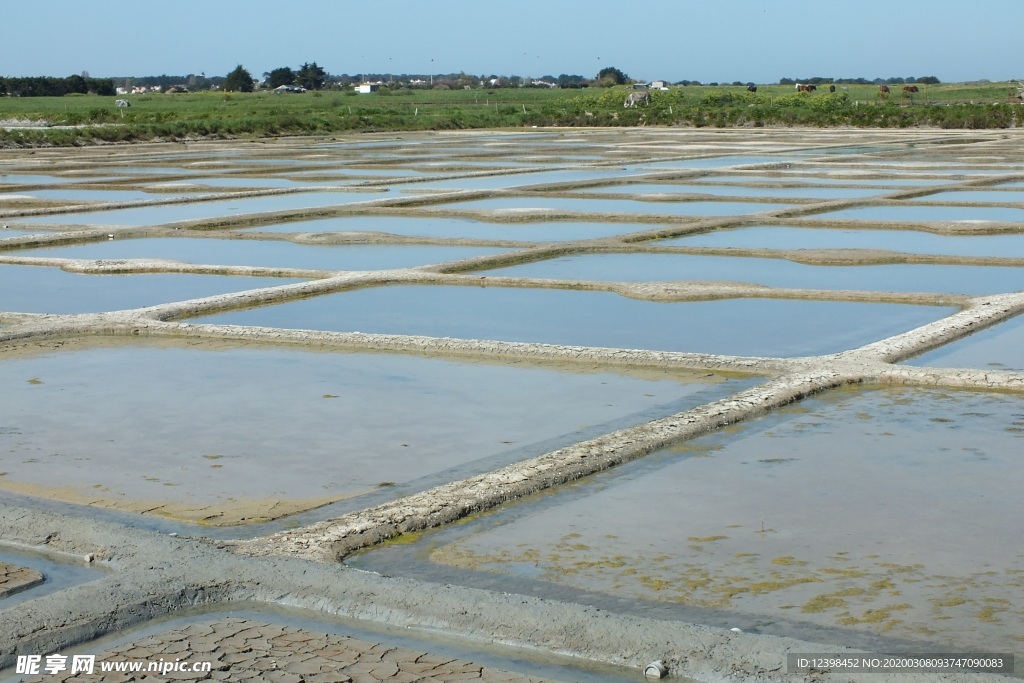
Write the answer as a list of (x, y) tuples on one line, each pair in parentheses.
[(927, 213), (516, 179), (910, 241), (269, 253), (774, 273), (242, 183), (761, 327), (996, 348), (42, 289), (812, 180), (979, 196), (457, 228), (157, 215), (221, 425), (761, 527), (108, 195), (57, 575), (601, 205), (33, 179), (736, 191), (715, 162)]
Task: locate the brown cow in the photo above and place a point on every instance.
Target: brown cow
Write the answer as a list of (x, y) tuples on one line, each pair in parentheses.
[(883, 89), (831, 88)]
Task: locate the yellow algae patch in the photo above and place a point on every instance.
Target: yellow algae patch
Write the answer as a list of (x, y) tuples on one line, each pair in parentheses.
[(223, 512), (706, 539)]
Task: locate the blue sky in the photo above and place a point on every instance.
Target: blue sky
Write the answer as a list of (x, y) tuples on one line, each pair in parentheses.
[(710, 40)]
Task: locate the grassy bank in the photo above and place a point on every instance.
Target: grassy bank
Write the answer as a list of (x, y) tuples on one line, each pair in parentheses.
[(231, 115)]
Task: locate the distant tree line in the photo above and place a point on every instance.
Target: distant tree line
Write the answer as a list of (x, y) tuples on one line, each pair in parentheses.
[(49, 86), (818, 80)]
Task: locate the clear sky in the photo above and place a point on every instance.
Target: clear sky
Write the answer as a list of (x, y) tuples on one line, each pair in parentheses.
[(710, 40)]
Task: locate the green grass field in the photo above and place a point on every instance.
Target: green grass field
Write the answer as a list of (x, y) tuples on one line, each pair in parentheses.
[(219, 114)]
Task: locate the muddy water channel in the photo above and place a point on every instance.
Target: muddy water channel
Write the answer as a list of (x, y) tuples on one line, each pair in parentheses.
[(822, 514), (601, 393)]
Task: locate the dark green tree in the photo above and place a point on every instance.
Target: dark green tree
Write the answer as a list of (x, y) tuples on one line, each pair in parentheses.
[(279, 77), (611, 76), (311, 76), (238, 80)]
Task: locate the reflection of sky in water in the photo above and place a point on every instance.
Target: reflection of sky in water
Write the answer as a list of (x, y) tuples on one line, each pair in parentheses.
[(599, 205), (108, 195), (514, 180), (733, 191), (715, 162), (32, 179), (156, 215), (810, 180), (980, 196), (996, 348), (266, 253), (928, 213), (774, 273), (41, 289), (772, 237), (457, 228), (737, 326)]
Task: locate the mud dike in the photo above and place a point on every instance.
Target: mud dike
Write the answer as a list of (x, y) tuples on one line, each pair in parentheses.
[(557, 403)]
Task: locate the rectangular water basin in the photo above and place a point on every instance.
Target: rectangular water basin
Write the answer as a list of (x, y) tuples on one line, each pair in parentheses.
[(601, 205), (912, 213), (166, 213), (220, 433), (909, 241), (883, 512), (996, 348), (268, 253), (975, 196), (425, 226), (516, 179), (774, 273), (754, 327), (42, 289), (736, 190)]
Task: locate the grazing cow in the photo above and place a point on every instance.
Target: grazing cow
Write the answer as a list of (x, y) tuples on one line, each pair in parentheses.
[(122, 103), (635, 98), (883, 89), (751, 88), (806, 88), (910, 88), (831, 88)]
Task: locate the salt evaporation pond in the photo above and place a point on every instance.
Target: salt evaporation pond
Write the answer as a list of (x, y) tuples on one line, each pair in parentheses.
[(107, 195), (43, 289), (752, 525), (919, 213), (166, 213), (225, 434), (884, 183), (997, 348), (734, 191), (975, 196), (268, 253), (715, 162), (514, 180), (909, 241), (461, 228), (773, 273), (755, 327), (601, 205)]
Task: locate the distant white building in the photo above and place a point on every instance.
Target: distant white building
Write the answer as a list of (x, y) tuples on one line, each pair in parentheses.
[(366, 88)]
